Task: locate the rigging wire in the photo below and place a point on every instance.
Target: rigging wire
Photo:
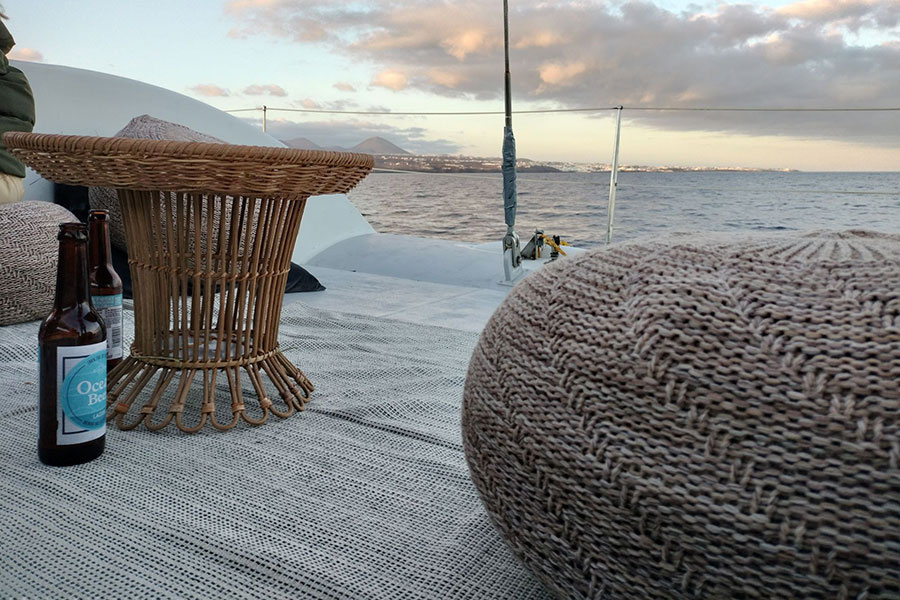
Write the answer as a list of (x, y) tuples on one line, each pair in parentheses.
[(772, 109), (572, 110)]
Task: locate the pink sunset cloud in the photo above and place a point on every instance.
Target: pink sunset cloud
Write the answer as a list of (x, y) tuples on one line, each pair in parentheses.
[(210, 90)]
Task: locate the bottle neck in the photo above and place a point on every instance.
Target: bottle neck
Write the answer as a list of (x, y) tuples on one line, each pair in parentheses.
[(101, 252), (72, 284)]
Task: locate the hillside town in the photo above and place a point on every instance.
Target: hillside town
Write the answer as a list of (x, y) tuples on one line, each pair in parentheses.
[(390, 157)]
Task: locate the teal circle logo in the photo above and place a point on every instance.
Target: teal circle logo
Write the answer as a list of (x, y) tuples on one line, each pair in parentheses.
[(84, 392)]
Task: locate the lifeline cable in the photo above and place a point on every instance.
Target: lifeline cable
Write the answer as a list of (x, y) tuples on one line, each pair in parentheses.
[(570, 110)]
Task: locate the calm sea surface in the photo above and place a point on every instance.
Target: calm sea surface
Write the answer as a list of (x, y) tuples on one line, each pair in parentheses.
[(469, 207)]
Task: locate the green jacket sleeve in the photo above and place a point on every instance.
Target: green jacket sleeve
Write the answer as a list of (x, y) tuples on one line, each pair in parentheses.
[(16, 106)]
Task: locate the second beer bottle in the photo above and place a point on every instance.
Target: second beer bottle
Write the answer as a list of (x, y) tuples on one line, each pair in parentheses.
[(106, 285)]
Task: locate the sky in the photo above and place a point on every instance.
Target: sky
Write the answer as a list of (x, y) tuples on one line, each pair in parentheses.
[(428, 55)]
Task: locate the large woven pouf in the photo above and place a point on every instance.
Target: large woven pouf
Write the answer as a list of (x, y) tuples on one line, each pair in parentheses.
[(28, 255), (698, 418)]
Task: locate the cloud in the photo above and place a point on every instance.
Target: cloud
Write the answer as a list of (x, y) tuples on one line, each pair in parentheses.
[(446, 78), (268, 89), (310, 104), (539, 39), (346, 133), (300, 21), (560, 74), (210, 90), (28, 54), (390, 79), (344, 86), (468, 41), (237, 5), (810, 53), (852, 14)]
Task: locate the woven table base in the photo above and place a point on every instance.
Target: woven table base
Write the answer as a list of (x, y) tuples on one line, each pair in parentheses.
[(134, 375), (209, 273)]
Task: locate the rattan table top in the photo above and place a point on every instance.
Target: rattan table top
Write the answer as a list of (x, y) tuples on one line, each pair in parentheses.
[(226, 169)]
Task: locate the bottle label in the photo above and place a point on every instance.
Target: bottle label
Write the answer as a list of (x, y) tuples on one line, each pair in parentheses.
[(110, 309), (81, 385)]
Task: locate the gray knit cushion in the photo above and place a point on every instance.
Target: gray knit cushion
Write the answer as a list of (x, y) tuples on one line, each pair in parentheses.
[(28, 256), (698, 418), (149, 128)]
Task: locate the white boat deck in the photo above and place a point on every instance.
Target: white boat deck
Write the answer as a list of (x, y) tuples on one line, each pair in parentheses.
[(417, 280), (423, 302)]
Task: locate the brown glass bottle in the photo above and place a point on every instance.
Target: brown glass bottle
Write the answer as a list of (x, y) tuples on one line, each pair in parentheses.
[(72, 362), (106, 285)]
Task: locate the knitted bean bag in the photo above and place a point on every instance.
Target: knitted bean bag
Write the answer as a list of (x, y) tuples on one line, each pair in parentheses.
[(28, 256), (143, 127), (698, 418)]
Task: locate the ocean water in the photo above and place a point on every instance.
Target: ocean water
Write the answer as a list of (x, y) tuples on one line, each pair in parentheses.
[(469, 207)]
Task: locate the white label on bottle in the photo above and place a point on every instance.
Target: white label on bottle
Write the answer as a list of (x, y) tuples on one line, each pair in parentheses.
[(81, 393), (110, 309)]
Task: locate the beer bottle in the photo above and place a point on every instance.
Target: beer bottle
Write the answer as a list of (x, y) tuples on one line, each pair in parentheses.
[(106, 286), (72, 362)]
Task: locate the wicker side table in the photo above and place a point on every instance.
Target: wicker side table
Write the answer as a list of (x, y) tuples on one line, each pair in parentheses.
[(210, 231)]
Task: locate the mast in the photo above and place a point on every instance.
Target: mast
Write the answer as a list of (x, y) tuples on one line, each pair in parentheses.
[(512, 254), (508, 85)]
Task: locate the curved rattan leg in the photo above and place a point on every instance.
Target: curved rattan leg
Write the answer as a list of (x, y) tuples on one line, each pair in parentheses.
[(123, 407), (207, 406), (290, 369), (291, 375), (129, 373), (117, 370), (148, 420), (177, 406), (270, 368), (179, 422), (237, 403), (146, 413), (120, 377), (264, 402)]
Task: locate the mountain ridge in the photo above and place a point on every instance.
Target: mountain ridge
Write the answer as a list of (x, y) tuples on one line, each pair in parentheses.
[(373, 145), (302, 143)]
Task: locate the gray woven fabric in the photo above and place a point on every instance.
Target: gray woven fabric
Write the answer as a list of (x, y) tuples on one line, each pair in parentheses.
[(698, 417), (143, 127), (364, 495), (28, 255)]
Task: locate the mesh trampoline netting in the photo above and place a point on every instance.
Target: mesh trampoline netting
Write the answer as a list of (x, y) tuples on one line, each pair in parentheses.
[(366, 494)]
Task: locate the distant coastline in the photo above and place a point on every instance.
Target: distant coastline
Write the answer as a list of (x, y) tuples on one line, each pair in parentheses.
[(390, 157), (473, 164)]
